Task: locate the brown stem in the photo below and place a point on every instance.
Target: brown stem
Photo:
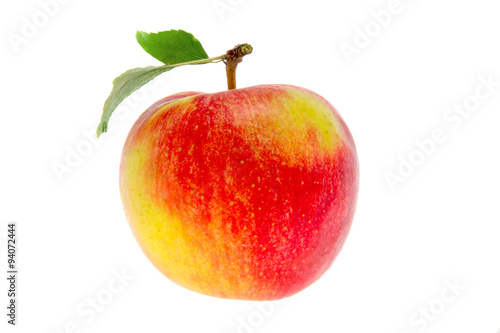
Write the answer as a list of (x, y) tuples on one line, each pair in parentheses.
[(232, 59)]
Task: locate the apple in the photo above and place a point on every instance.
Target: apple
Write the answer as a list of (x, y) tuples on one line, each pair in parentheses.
[(244, 194)]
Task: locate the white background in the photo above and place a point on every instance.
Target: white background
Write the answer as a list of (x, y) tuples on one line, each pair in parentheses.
[(440, 226)]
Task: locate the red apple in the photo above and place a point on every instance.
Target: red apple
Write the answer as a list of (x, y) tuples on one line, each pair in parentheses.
[(243, 194)]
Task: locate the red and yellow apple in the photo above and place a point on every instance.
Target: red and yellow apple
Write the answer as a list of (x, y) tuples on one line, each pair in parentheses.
[(244, 194)]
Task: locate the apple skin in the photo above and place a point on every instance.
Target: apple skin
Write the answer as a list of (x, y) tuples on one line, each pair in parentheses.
[(244, 194)]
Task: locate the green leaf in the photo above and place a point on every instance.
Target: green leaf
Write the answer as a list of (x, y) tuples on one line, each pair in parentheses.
[(174, 48), (123, 86), (171, 47)]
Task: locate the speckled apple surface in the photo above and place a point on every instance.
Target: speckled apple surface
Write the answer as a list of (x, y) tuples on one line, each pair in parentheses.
[(243, 194)]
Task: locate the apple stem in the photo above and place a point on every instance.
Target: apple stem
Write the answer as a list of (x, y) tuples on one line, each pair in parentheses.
[(232, 58)]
